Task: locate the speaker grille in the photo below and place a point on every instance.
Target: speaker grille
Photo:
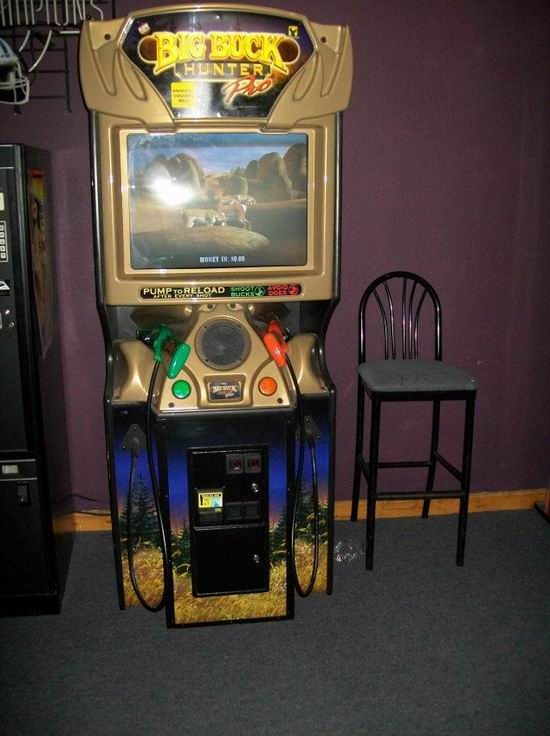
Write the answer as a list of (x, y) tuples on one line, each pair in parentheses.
[(223, 343)]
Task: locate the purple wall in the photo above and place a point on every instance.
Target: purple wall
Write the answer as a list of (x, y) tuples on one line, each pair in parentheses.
[(445, 173)]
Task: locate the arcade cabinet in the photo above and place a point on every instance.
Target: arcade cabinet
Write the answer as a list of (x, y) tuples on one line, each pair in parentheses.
[(34, 481), (216, 177)]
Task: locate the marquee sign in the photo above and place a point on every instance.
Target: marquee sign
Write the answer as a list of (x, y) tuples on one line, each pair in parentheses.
[(216, 63)]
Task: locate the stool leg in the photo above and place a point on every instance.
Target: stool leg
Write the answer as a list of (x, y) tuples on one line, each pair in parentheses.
[(358, 449), (433, 449), (466, 472), (372, 480)]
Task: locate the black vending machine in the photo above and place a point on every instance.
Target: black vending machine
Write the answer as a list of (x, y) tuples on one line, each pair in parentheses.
[(34, 476)]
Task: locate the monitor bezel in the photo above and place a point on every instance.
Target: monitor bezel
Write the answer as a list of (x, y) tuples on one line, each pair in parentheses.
[(120, 285)]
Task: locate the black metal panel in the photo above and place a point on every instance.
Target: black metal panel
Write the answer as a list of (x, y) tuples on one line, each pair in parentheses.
[(231, 561), (228, 505), (13, 434), (33, 442), (25, 569)]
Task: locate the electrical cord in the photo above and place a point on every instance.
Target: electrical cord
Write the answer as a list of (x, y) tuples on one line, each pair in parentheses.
[(305, 436), (156, 497), (129, 542), (153, 474)]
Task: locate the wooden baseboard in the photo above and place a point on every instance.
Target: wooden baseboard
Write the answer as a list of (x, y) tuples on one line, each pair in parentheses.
[(100, 520), (480, 501), (96, 521)]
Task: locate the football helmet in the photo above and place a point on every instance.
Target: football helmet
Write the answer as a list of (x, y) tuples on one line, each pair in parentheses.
[(14, 85)]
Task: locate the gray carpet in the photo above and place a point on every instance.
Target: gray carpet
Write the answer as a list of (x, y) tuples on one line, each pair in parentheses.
[(418, 646)]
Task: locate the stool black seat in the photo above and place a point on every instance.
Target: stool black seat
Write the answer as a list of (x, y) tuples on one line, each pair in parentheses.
[(402, 299)]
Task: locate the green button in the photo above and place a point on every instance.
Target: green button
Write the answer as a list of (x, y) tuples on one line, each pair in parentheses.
[(181, 389)]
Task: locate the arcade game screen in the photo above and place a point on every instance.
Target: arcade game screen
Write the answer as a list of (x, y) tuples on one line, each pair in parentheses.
[(217, 200)]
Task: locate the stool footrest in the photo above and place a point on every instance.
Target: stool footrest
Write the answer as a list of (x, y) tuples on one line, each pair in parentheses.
[(449, 467)]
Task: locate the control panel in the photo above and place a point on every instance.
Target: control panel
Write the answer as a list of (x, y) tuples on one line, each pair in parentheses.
[(214, 359), (229, 513), (228, 366)]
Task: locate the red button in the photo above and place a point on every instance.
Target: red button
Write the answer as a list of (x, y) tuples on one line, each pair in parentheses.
[(267, 386)]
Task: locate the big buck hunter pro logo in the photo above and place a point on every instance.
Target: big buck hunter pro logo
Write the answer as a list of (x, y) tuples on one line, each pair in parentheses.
[(218, 63)]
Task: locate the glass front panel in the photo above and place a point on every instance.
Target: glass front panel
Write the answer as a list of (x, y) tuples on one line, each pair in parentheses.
[(217, 200)]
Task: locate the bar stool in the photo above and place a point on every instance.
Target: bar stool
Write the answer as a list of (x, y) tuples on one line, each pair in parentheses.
[(403, 376)]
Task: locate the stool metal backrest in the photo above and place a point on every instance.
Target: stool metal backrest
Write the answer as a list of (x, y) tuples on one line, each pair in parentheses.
[(412, 294), (404, 300)]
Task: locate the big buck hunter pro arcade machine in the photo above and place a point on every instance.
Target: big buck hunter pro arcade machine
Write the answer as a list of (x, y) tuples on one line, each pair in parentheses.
[(215, 135)]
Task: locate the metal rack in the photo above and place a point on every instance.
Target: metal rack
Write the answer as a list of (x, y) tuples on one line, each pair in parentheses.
[(39, 32)]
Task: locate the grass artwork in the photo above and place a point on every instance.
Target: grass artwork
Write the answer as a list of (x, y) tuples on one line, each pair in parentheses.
[(190, 609), (271, 604), (149, 574)]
